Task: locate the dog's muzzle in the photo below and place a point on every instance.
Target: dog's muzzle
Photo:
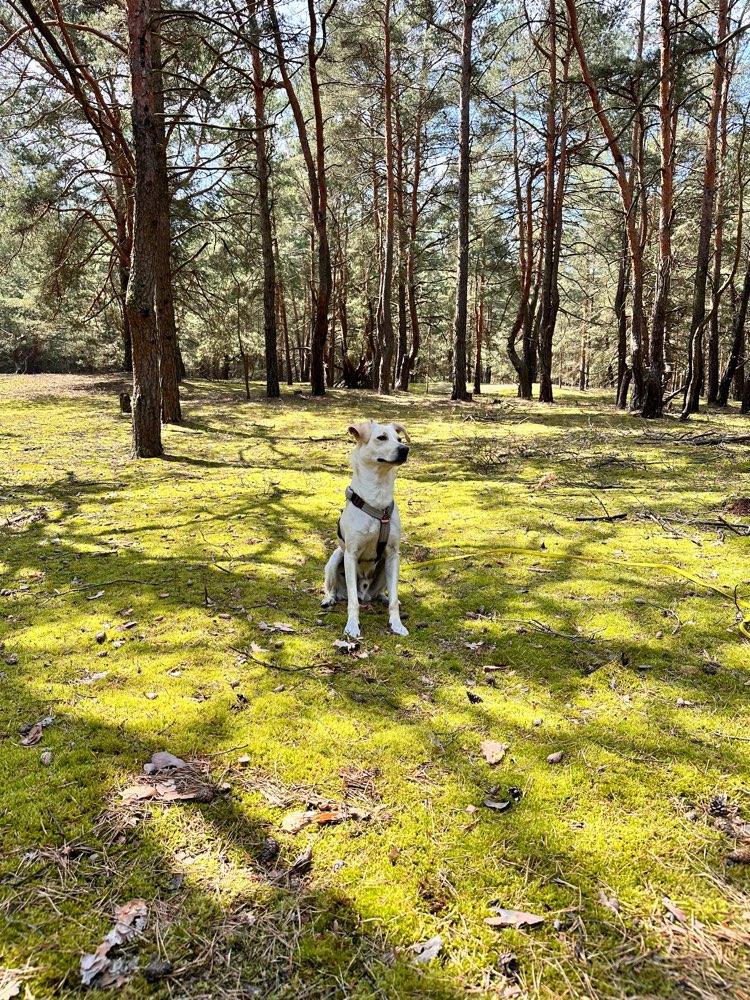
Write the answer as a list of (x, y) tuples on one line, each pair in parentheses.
[(402, 453)]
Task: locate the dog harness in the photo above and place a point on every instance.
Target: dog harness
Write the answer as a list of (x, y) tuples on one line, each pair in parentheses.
[(383, 515)]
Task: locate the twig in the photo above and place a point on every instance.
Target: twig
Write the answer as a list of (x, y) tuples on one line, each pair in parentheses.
[(726, 736), (107, 583), (275, 666), (608, 517)]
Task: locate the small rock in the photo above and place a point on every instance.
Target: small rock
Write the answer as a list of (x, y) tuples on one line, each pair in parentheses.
[(101, 637), (537, 723), (660, 634), (46, 758), (151, 695), (556, 758)]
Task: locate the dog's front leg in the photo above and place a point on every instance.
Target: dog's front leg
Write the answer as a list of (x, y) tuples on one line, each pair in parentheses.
[(392, 568), (350, 572)]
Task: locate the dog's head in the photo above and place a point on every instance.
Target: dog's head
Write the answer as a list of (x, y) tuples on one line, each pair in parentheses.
[(380, 445)]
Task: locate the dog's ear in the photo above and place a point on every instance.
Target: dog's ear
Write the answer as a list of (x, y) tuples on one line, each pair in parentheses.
[(361, 431), (400, 429)]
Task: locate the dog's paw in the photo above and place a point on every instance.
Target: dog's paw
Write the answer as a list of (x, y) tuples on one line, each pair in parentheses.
[(398, 629), (328, 602), (352, 630)]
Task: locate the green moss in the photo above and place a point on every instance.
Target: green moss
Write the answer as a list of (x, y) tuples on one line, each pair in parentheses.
[(232, 530)]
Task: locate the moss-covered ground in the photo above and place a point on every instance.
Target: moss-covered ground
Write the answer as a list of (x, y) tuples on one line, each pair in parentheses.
[(641, 678)]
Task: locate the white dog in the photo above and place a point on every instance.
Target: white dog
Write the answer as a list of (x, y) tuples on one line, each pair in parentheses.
[(366, 563)]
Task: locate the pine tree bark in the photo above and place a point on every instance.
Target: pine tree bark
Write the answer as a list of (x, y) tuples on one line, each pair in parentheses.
[(140, 303), (654, 381), (712, 379), (464, 164), (638, 316), (265, 222), (169, 356), (315, 166), (384, 313), (738, 343), (698, 320)]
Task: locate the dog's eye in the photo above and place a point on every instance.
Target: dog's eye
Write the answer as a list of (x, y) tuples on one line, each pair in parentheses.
[(382, 437)]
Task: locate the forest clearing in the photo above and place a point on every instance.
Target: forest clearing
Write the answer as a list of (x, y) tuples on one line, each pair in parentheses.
[(566, 738)]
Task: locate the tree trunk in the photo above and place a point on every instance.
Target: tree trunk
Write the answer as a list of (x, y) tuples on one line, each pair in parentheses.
[(638, 320), (410, 359), (738, 342), (141, 287), (402, 252), (698, 320), (169, 358), (316, 175), (265, 222), (622, 323), (384, 317), (464, 162), (654, 383), (479, 311), (712, 383)]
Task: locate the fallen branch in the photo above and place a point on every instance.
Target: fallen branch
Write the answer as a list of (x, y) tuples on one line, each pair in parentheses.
[(294, 669), (604, 517)]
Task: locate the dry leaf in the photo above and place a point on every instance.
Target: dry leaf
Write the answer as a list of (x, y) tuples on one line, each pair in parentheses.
[(497, 806), (98, 969), (674, 911), (393, 854), (428, 950), (556, 758), (610, 902), (493, 750), (33, 736), (740, 855), (276, 627), (163, 759), (10, 989), (513, 918), (295, 821)]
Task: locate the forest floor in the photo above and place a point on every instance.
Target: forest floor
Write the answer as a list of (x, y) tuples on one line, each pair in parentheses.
[(174, 606)]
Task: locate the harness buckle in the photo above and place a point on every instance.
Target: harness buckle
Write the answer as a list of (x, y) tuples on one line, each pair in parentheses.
[(386, 517)]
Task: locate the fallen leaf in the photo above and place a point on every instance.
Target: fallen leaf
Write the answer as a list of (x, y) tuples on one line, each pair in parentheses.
[(93, 678), (497, 806), (126, 625), (471, 809), (10, 989), (674, 911), (393, 854), (276, 627), (681, 703), (33, 736), (96, 596), (556, 758), (136, 793), (332, 816), (162, 759), (427, 950), (98, 969), (610, 902), (513, 918), (295, 821), (490, 668), (473, 698), (493, 750)]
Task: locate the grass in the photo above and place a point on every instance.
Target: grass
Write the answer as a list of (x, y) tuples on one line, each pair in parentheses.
[(231, 532)]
